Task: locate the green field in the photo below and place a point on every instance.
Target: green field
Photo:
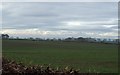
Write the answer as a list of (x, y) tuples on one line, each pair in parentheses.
[(88, 57)]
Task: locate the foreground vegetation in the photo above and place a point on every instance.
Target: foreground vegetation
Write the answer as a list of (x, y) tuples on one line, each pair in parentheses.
[(10, 67), (88, 57)]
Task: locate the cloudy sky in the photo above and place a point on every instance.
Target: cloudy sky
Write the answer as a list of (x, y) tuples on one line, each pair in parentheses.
[(60, 19)]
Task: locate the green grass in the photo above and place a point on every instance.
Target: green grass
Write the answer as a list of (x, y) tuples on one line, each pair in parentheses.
[(93, 57)]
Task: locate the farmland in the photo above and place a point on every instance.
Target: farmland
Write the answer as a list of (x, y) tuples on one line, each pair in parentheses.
[(88, 57)]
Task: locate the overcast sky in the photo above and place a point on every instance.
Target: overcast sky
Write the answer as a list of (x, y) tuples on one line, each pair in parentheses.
[(59, 20)]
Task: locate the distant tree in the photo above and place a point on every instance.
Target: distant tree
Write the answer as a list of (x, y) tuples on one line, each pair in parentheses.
[(109, 40), (98, 40), (17, 38), (48, 39), (59, 39), (54, 39), (31, 38), (69, 39), (104, 40), (81, 39), (117, 41), (90, 39), (38, 39), (5, 36)]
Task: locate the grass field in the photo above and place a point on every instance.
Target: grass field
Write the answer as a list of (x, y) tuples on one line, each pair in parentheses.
[(88, 57)]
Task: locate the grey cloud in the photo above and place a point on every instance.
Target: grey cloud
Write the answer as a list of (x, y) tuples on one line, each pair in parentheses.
[(49, 16), (114, 27)]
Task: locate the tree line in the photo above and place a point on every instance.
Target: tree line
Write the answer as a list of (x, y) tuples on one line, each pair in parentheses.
[(79, 39)]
